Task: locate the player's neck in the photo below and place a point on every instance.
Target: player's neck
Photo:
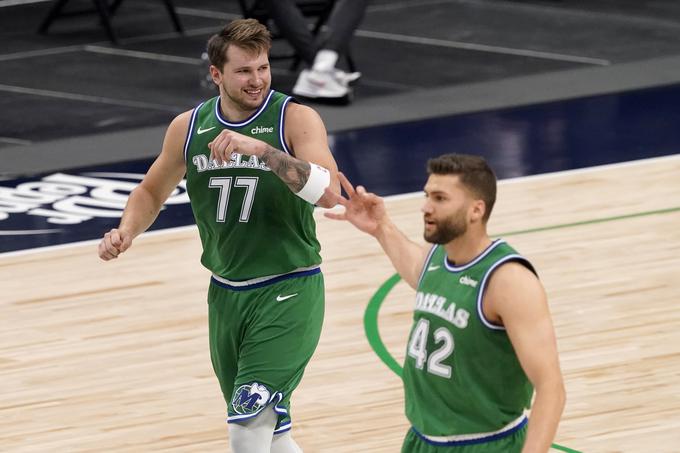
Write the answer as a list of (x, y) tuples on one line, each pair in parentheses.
[(466, 248), (233, 112)]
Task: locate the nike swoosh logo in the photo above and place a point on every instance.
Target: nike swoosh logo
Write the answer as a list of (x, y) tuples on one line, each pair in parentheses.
[(433, 268), (281, 298), (200, 131)]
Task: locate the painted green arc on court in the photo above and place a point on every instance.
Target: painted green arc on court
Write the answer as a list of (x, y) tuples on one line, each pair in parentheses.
[(373, 307)]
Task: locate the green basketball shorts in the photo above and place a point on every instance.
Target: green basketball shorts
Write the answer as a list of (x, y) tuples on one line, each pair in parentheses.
[(261, 339)]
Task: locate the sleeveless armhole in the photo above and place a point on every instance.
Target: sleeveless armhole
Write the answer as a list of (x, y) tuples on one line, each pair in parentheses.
[(482, 288), (192, 122), (426, 263), (282, 125)]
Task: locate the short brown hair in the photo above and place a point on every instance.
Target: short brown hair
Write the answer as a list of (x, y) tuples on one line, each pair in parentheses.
[(474, 173), (249, 34)]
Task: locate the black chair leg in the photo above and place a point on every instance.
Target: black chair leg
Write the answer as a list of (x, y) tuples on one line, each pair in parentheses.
[(103, 9), (54, 12), (173, 15), (114, 7), (106, 11)]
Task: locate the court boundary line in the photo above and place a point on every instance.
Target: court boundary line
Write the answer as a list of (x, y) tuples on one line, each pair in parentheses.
[(559, 173), (475, 47), (404, 196), (621, 19), (8, 3), (89, 98)]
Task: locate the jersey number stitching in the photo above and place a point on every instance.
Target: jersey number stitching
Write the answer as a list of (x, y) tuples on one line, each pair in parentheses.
[(417, 348), (224, 184)]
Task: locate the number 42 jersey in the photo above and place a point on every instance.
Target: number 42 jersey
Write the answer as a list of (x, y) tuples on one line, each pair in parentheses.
[(462, 379)]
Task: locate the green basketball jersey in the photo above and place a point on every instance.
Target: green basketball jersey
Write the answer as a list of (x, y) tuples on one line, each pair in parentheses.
[(250, 223), (461, 374)]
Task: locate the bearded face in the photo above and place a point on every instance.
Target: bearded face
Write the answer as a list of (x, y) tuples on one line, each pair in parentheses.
[(444, 230)]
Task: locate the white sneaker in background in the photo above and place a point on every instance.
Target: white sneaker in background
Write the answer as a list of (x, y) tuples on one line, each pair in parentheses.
[(347, 77), (317, 84)]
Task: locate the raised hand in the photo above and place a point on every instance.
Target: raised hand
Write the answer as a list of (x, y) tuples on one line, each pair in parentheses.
[(228, 142), (364, 210)]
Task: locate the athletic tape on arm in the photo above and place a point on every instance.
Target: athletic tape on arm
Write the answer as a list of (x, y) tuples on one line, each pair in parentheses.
[(319, 179)]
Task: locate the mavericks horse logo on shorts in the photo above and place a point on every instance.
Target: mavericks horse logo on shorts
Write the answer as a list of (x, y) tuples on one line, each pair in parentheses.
[(250, 398)]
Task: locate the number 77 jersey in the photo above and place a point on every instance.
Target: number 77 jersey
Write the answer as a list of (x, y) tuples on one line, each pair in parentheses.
[(251, 224), (462, 378)]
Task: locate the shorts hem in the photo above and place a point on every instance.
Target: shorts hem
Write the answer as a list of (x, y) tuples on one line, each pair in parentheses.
[(480, 440)]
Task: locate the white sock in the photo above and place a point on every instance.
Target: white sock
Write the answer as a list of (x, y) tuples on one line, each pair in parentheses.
[(284, 443), (254, 435), (325, 60)]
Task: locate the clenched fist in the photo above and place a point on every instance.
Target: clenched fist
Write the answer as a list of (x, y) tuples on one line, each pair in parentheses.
[(113, 244)]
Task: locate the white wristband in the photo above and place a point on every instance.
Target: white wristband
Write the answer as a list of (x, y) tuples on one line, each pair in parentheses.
[(319, 179)]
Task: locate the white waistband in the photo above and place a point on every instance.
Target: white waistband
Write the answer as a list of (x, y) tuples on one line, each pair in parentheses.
[(475, 436), (257, 280)]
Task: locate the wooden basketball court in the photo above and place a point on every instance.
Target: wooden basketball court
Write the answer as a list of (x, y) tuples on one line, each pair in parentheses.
[(113, 356)]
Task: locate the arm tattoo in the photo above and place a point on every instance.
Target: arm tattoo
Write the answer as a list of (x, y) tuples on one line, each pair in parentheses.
[(293, 172)]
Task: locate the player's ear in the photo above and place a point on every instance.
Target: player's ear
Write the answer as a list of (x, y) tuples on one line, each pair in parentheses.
[(215, 74), (477, 210)]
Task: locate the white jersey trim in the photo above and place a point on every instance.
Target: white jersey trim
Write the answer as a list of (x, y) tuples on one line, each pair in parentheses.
[(475, 436), (482, 290), (221, 119), (480, 257), (426, 263), (282, 125), (190, 132), (255, 281)]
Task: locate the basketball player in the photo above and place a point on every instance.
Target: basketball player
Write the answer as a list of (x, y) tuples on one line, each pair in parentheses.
[(482, 338), (256, 163)]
